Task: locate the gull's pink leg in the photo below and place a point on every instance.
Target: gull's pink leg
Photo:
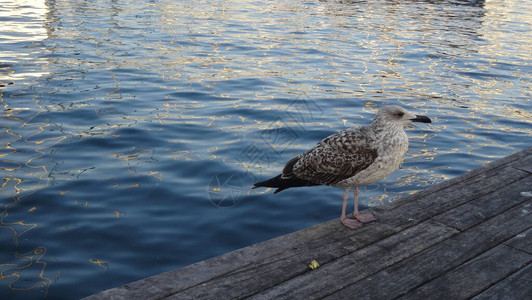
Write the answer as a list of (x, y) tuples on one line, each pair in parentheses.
[(364, 218), (350, 223)]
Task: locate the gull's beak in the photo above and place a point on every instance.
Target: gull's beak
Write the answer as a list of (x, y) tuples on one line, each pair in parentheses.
[(422, 119)]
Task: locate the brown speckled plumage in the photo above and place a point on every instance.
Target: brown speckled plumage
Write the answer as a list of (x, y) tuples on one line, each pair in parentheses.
[(338, 157)]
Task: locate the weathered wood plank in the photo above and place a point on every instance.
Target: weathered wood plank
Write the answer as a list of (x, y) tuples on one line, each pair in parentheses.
[(267, 273), (522, 241), (481, 171), (474, 276), (516, 286), (168, 283), (171, 282), (434, 204), (274, 264), (485, 207), (401, 278), (524, 164), (359, 264)]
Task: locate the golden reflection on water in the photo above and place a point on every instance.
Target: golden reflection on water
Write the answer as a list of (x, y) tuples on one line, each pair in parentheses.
[(26, 270), (100, 263), (26, 263), (21, 31)]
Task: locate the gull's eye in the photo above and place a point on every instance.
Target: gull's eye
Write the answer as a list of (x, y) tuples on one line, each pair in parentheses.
[(400, 114)]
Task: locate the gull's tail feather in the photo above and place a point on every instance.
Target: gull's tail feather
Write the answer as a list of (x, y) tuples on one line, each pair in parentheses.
[(283, 183)]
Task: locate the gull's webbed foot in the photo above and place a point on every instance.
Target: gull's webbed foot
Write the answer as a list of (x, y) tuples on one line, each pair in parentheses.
[(351, 223), (365, 218)]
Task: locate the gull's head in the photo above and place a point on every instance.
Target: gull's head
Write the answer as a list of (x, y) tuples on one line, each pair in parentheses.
[(396, 115)]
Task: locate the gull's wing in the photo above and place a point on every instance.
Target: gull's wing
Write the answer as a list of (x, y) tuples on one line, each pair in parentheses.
[(338, 157)]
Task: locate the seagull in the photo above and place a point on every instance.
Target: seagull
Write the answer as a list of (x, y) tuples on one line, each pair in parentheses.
[(351, 158)]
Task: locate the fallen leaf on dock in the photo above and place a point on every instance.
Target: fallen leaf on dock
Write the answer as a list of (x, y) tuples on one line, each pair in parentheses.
[(314, 265)]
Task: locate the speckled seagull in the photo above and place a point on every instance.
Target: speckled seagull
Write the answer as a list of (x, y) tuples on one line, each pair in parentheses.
[(351, 158)]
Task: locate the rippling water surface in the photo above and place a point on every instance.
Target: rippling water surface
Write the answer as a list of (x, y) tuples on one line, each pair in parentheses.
[(131, 131)]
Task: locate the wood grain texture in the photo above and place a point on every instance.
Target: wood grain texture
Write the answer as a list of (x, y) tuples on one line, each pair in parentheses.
[(474, 276), (516, 286), (419, 269), (351, 268)]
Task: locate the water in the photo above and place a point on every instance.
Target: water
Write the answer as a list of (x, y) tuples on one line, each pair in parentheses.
[(131, 131)]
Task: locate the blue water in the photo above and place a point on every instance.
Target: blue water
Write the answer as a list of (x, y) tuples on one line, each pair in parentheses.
[(131, 131)]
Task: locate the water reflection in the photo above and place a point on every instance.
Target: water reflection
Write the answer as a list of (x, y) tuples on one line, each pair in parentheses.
[(22, 266), (122, 112), (22, 26)]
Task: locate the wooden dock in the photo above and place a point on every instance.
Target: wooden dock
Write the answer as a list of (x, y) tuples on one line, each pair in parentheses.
[(468, 237)]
